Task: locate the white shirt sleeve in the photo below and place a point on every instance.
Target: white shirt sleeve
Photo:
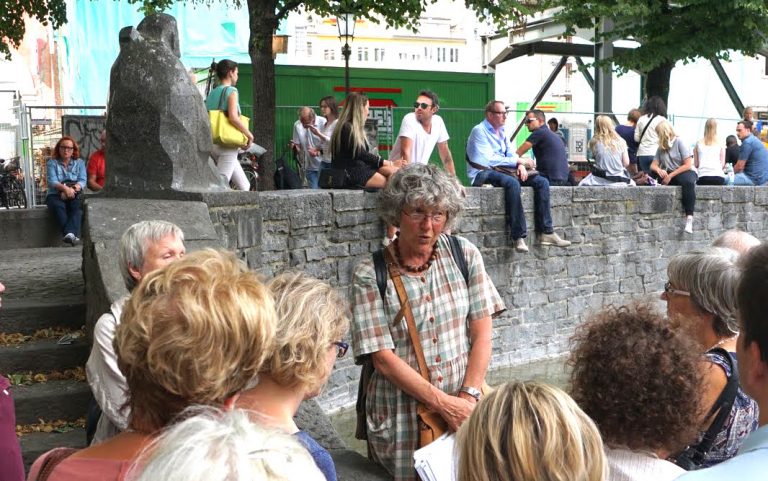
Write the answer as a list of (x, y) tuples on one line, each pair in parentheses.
[(107, 382)]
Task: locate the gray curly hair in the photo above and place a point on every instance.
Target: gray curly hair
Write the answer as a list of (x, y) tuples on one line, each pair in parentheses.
[(711, 275), (418, 185)]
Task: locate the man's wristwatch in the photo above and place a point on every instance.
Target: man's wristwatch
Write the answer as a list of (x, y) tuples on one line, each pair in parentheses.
[(475, 393)]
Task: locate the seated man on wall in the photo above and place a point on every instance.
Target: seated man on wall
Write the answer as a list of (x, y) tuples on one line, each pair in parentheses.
[(548, 149), (751, 463), (491, 160), (752, 166)]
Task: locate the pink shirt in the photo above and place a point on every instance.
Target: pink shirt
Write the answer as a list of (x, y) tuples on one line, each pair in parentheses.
[(82, 469)]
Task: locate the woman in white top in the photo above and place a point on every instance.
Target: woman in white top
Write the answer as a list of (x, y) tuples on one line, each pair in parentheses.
[(330, 110), (611, 156), (709, 156), (654, 112)]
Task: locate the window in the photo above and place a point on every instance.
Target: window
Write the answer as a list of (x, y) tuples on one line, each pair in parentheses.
[(362, 54), (454, 55), (441, 54), (309, 49), (378, 54), (329, 54)]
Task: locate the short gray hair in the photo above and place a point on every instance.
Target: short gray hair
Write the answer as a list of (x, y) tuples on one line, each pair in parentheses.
[(737, 240), (212, 444), (133, 245), (420, 185), (711, 275)]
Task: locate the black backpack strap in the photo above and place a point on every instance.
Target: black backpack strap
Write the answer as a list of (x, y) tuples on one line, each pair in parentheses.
[(458, 256), (380, 266), (722, 406)]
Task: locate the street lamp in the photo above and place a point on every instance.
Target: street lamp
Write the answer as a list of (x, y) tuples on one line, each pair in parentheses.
[(346, 23)]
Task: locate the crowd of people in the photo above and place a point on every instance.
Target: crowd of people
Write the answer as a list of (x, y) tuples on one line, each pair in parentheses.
[(201, 368)]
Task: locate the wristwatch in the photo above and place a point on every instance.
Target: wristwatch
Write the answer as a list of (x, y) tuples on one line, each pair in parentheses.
[(475, 393)]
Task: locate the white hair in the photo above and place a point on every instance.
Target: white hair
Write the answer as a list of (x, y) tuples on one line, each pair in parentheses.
[(737, 240), (133, 245), (216, 445)]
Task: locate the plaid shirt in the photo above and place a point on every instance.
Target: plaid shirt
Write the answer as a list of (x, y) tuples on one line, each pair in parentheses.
[(443, 306)]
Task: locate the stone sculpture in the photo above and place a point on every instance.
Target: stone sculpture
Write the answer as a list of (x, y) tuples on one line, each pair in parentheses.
[(158, 130)]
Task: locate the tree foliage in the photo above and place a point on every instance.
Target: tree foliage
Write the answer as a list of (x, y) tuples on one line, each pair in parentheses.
[(264, 17), (668, 31), (14, 12)]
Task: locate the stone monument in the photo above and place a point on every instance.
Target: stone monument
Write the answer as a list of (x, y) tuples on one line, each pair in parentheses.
[(159, 136)]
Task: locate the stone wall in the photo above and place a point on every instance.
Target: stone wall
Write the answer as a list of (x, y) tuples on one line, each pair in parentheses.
[(622, 239)]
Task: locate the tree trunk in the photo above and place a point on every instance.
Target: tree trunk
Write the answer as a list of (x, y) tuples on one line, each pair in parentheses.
[(262, 25), (657, 81)]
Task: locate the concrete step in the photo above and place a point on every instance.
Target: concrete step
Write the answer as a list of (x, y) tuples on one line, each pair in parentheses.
[(42, 273), (43, 356), (23, 228), (35, 444), (51, 400), (27, 316)]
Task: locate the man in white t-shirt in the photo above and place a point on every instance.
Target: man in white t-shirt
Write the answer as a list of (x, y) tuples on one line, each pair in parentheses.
[(420, 131), (307, 144)]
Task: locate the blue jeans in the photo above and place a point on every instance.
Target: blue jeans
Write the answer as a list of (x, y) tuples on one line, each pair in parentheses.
[(313, 177), (741, 179), (69, 213), (542, 218), (644, 162)]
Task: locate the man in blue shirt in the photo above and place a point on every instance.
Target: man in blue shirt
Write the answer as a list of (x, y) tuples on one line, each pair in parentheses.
[(489, 154), (548, 149), (751, 463), (752, 166)]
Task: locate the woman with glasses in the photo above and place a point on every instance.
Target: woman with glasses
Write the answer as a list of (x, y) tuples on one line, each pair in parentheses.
[(313, 320), (351, 151), (452, 314), (66, 176), (701, 300)]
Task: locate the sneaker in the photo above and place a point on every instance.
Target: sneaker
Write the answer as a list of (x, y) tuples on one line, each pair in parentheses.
[(553, 240), (76, 241), (69, 239), (520, 245), (689, 226)]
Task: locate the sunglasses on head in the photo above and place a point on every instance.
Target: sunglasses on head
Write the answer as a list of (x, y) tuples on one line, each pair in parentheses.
[(424, 106)]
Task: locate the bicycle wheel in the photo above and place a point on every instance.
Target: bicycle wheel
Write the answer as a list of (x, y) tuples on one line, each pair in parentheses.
[(15, 193), (253, 178)]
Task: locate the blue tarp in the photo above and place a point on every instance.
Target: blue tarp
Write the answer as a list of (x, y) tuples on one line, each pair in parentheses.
[(88, 43)]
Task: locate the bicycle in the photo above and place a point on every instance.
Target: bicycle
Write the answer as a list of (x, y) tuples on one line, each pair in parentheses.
[(12, 185)]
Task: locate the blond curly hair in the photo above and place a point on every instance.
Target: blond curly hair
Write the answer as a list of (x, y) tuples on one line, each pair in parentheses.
[(194, 332), (311, 316)]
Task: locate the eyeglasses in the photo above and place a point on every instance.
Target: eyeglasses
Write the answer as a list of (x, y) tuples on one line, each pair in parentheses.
[(424, 106), (419, 217), (342, 348), (530, 119), (668, 289), (66, 147)]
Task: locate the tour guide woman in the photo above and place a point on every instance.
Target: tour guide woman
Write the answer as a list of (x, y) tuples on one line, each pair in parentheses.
[(453, 318)]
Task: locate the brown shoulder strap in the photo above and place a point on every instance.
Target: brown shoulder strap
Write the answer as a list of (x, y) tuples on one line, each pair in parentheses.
[(53, 460), (405, 307)]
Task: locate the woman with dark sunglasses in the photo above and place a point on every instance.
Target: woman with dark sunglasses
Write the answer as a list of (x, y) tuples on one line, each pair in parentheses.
[(313, 319)]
